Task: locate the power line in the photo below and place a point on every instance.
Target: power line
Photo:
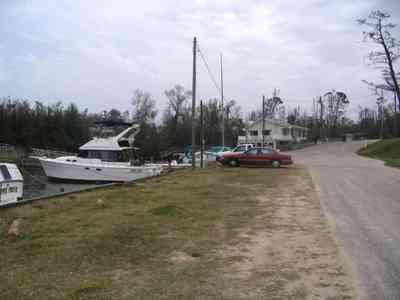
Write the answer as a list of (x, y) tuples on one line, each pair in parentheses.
[(208, 69)]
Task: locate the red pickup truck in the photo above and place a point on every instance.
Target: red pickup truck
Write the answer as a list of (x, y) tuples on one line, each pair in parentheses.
[(256, 157)]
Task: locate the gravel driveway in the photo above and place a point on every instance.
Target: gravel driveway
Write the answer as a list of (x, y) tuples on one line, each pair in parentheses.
[(361, 198)]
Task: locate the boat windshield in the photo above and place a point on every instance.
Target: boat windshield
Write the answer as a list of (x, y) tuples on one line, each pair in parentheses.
[(108, 155)]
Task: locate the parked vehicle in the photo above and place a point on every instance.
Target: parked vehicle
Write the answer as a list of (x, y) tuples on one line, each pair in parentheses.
[(238, 149), (11, 184), (218, 150), (256, 157), (207, 157)]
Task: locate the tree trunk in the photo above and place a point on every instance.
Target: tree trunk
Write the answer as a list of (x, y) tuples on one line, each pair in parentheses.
[(395, 130), (390, 64)]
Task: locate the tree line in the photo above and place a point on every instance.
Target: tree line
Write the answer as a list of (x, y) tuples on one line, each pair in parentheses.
[(46, 126), (30, 124)]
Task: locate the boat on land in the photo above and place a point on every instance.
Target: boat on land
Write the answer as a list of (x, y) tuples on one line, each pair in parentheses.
[(11, 184), (102, 159)]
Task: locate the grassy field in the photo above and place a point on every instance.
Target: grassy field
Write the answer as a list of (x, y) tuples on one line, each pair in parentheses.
[(386, 150), (216, 233), (9, 156), (74, 248)]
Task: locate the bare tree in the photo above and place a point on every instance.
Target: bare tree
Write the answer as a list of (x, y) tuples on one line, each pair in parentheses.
[(177, 115), (294, 116), (143, 107), (331, 109), (336, 103), (379, 32), (177, 98), (271, 106), (387, 86)]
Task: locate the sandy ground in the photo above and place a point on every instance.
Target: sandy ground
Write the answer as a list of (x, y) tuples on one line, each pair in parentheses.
[(361, 198), (288, 252)]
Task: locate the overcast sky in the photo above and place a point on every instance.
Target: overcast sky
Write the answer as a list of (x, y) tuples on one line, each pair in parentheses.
[(97, 52)]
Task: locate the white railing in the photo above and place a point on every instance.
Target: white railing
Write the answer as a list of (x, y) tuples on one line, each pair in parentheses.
[(50, 153)]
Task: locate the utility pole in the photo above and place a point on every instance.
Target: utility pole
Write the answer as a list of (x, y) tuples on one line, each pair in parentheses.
[(263, 120), (314, 112), (194, 103), (222, 104), (321, 118), (202, 135)]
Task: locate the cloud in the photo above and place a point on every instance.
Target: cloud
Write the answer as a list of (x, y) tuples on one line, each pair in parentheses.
[(97, 52)]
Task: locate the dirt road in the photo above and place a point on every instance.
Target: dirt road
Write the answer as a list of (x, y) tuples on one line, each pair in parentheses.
[(361, 198)]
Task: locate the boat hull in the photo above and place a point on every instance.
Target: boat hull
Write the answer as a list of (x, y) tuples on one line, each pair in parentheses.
[(71, 171)]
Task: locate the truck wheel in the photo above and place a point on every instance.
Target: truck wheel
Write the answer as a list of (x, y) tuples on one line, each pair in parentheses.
[(276, 164), (233, 163)]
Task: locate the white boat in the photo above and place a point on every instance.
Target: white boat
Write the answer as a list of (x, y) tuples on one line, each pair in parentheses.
[(11, 184), (101, 160)]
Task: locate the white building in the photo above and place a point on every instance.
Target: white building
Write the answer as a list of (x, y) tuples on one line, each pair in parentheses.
[(275, 133)]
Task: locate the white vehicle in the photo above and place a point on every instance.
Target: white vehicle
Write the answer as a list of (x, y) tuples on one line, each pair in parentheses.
[(207, 157), (238, 149), (11, 184), (101, 160)]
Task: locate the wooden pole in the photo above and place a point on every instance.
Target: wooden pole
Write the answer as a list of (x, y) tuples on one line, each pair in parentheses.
[(202, 135), (222, 104), (194, 103), (263, 120)]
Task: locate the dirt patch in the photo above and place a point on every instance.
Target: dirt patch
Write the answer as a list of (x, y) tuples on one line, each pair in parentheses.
[(288, 252)]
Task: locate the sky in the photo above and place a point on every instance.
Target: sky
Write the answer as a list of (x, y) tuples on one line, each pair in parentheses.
[(97, 52)]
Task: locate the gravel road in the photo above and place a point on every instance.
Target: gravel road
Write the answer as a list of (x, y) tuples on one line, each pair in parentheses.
[(361, 198)]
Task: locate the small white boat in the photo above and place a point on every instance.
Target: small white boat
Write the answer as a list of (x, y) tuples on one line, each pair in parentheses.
[(11, 184), (101, 160)]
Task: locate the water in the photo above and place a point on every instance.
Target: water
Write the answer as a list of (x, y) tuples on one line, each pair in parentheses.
[(36, 184)]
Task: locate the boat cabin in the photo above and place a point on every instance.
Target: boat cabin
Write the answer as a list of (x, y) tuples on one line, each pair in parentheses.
[(111, 149), (124, 155), (11, 184)]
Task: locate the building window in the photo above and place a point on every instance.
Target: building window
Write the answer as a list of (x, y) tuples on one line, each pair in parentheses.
[(253, 132), (285, 131), (266, 132)]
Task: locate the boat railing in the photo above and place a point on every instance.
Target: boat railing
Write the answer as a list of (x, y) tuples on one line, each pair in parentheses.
[(50, 153)]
